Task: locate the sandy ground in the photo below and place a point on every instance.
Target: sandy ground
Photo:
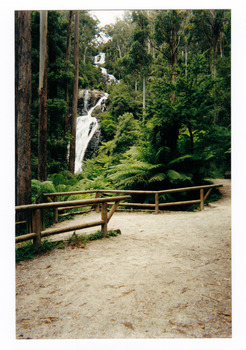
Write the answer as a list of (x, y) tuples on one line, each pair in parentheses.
[(165, 276)]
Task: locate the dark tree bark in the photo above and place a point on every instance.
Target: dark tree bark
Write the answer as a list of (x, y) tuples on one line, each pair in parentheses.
[(67, 56), (23, 106), (75, 94), (68, 50), (42, 93)]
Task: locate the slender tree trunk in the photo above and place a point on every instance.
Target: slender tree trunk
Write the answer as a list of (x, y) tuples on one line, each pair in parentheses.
[(84, 56), (118, 48), (214, 59), (68, 50), (191, 139), (75, 94), (186, 57), (173, 62), (221, 44), (144, 96), (42, 93), (23, 106)]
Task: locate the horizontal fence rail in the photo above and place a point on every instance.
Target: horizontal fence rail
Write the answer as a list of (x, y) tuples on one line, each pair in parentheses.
[(35, 216), (35, 211), (156, 206)]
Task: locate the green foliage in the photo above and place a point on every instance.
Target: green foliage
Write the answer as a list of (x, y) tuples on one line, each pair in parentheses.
[(107, 125), (81, 240), (38, 188), (127, 133), (185, 57), (29, 251), (118, 45), (135, 172), (138, 60), (123, 99)]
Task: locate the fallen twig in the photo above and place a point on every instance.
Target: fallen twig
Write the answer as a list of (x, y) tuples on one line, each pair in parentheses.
[(206, 296)]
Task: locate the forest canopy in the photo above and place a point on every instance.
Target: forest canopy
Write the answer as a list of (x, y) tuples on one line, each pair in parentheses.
[(167, 121)]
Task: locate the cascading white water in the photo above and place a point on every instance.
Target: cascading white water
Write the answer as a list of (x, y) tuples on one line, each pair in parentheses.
[(100, 58), (86, 127), (110, 79), (98, 61)]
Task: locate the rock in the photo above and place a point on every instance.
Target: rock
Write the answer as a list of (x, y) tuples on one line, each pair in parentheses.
[(88, 99), (93, 145)]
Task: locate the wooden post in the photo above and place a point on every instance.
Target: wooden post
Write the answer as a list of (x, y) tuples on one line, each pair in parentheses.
[(105, 219), (98, 205), (112, 210), (201, 199), (56, 210), (42, 220), (28, 221), (156, 203), (36, 224), (207, 194)]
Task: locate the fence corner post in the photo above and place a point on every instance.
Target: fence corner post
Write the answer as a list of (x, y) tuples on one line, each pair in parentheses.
[(201, 199), (156, 203), (37, 223), (105, 219)]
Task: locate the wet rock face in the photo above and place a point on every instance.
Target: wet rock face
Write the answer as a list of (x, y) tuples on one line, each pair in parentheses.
[(93, 145), (88, 99)]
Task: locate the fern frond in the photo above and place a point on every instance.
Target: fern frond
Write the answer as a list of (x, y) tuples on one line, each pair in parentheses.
[(159, 177), (175, 176), (181, 159)]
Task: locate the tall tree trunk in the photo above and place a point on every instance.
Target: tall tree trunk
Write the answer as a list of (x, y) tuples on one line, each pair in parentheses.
[(191, 139), (23, 106), (68, 50), (186, 57), (75, 94), (173, 61), (42, 93), (144, 96)]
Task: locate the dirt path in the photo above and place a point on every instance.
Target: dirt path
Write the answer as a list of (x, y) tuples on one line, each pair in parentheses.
[(165, 276)]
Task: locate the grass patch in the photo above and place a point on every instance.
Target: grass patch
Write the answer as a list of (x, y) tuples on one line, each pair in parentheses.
[(29, 251)]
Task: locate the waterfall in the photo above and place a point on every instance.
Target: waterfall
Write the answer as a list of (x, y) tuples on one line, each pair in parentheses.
[(109, 78), (86, 127), (100, 58)]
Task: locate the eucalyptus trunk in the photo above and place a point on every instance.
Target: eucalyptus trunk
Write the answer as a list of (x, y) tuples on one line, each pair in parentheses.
[(42, 94), (75, 94), (23, 106), (144, 96), (68, 50)]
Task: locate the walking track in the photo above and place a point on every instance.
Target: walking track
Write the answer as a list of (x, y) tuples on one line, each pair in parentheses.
[(165, 276)]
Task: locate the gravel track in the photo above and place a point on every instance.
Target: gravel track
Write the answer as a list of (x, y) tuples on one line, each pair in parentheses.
[(165, 276)]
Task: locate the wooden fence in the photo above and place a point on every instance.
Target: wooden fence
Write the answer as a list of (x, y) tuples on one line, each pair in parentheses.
[(155, 206), (35, 215)]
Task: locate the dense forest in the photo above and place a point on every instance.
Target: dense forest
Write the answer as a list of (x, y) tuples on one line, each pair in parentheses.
[(167, 120)]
